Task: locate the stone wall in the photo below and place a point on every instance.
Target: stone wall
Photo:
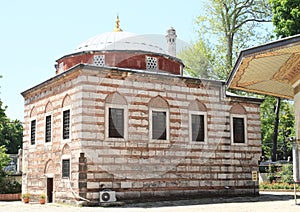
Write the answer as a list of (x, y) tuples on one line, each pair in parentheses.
[(43, 160), (137, 167)]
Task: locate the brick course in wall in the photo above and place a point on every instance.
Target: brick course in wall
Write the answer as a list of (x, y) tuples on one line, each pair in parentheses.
[(137, 167)]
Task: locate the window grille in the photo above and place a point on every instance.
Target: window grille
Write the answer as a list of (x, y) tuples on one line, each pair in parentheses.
[(66, 124), (48, 129), (99, 60), (151, 63), (33, 132), (66, 168)]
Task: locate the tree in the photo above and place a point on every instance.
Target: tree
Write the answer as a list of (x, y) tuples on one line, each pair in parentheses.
[(285, 127), (7, 185), (286, 17), (233, 24), (197, 60), (11, 132), (4, 158)]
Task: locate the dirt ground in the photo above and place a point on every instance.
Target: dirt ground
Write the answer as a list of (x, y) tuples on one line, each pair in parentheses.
[(267, 201)]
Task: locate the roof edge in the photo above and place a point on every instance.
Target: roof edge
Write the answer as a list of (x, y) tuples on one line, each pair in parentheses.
[(259, 49)]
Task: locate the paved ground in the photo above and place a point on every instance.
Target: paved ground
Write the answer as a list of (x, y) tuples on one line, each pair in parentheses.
[(267, 201)]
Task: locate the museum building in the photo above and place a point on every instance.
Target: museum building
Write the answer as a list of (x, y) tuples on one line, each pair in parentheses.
[(120, 121)]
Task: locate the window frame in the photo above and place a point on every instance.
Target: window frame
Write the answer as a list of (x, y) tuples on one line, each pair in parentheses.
[(243, 116), (35, 133), (45, 128), (201, 113), (62, 123), (167, 123), (62, 165), (125, 113)]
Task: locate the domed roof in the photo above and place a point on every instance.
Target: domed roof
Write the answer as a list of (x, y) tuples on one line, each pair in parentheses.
[(119, 40)]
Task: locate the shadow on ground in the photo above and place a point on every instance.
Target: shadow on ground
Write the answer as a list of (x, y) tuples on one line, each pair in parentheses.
[(215, 200)]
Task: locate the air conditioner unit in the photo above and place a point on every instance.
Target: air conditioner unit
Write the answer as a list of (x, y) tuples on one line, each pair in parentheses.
[(108, 196)]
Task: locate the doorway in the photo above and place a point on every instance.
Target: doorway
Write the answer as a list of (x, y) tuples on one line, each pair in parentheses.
[(50, 189)]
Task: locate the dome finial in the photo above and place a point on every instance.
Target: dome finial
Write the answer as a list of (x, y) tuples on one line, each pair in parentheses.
[(118, 29)]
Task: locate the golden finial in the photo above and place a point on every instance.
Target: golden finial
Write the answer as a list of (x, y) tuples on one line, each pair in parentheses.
[(118, 29)]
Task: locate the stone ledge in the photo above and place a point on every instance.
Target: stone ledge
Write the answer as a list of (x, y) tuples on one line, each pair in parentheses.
[(111, 204)]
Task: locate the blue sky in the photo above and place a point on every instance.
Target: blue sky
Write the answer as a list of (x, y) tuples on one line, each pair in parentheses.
[(35, 33)]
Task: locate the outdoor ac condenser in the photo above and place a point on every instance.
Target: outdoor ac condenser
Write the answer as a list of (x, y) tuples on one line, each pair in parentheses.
[(107, 196)]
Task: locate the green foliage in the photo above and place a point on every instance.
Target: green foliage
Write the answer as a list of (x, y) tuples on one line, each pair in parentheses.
[(4, 158), (42, 196), (271, 173), (280, 173), (11, 132), (277, 186), (230, 26), (26, 195), (286, 174), (286, 17), (286, 127), (197, 60), (7, 184)]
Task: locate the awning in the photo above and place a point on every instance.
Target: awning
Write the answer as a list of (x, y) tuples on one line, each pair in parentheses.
[(271, 69)]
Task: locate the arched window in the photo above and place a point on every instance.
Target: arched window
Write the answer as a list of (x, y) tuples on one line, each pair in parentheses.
[(116, 116), (197, 122), (238, 124), (159, 119)]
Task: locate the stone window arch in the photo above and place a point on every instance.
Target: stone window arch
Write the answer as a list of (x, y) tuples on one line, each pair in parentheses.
[(66, 101), (49, 169)]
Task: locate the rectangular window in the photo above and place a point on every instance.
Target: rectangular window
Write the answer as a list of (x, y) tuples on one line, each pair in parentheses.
[(116, 123), (33, 131), (48, 129), (66, 124), (238, 130), (99, 60), (198, 130), (151, 63), (159, 125), (66, 168)]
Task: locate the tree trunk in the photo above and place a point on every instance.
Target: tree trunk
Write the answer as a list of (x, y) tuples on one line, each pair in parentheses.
[(275, 135), (229, 52)]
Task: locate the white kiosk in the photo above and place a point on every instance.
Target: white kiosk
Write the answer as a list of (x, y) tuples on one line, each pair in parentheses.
[(273, 69)]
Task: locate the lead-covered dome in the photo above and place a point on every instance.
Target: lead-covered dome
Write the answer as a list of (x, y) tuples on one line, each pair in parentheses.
[(119, 41), (125, 50)]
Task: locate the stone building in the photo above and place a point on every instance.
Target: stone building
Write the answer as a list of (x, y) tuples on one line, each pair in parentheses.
[(120, 115)]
